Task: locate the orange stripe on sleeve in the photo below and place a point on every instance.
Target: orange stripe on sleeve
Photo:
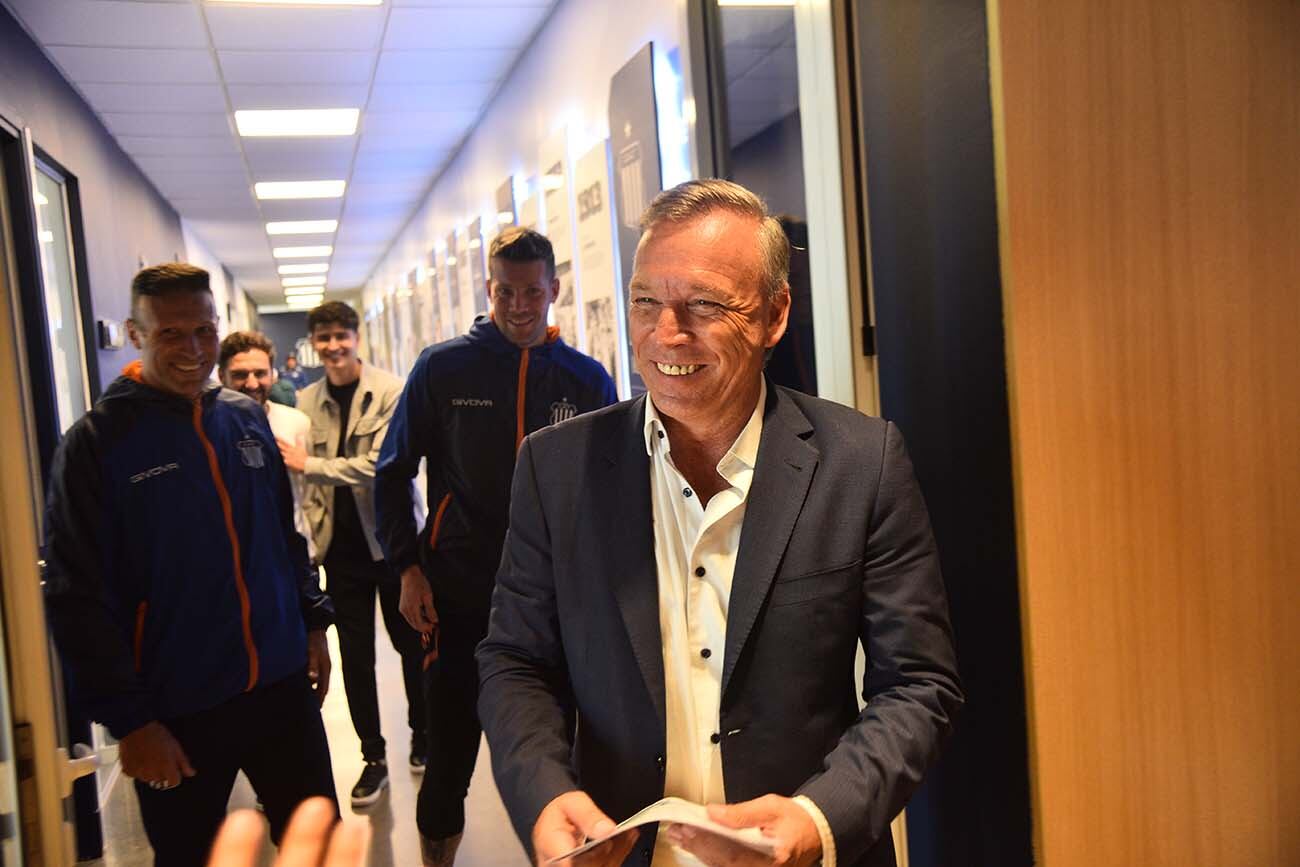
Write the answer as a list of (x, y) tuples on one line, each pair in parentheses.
[(245, 607)]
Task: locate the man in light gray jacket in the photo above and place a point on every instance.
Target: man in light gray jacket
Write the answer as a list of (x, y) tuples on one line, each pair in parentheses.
[(349, 410)]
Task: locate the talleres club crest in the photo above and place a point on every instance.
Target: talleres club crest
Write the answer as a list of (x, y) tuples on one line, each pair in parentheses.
[(562, 410)]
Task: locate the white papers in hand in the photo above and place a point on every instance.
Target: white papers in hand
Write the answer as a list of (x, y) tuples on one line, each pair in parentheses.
[(681, 812)]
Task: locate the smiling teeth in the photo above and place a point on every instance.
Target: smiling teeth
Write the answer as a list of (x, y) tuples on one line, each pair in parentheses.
[(677, 369)]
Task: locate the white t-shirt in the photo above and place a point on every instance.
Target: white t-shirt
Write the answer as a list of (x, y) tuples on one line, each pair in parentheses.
[(292, 425)]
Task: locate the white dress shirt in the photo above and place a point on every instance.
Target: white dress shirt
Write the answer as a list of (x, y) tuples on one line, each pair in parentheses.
[(292, 425), (695, 556)]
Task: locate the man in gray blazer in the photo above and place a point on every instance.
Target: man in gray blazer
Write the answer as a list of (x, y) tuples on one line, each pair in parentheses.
[(349, 410), (689, 575)]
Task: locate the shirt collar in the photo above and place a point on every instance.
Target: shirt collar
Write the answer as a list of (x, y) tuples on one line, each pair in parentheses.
[(744, 450)]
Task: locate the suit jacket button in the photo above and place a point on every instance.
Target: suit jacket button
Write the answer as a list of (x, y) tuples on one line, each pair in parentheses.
[(715, 738)]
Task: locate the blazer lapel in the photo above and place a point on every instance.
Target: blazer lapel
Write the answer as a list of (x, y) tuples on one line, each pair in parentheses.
[(629, 554), (784, 470)]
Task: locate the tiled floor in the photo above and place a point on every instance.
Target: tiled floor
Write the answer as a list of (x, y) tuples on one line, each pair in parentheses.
[(489, 840)]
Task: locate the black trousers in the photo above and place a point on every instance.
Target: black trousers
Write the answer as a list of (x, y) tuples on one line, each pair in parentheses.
[(353, 586), (451, 690), (274, 734)]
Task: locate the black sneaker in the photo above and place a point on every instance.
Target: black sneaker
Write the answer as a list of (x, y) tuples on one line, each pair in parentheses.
[(419, 757), (374, 779)]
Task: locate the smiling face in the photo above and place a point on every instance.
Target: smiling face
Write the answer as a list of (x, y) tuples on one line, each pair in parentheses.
[(176, 334), (337, 348), (700, 321), (522, 293), (250, 372)]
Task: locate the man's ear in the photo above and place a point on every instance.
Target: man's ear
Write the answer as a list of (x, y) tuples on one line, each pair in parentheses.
[(555, 289), (778, 316), (133, 332)]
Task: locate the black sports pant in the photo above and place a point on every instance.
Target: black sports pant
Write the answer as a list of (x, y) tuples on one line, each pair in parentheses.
[(451, 690), (274, 734), (352, 586)]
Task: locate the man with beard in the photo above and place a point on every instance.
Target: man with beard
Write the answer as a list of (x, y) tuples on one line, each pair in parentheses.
[(246, 364)]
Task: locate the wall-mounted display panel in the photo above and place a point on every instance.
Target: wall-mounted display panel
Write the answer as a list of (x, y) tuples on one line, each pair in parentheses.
[(598, 272), (555, 193)]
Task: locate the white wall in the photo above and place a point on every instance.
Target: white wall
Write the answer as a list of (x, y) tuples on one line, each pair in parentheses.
[(223, 294), (563, 79)]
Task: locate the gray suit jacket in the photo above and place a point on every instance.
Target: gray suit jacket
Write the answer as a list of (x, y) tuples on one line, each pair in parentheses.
[(836, 548)]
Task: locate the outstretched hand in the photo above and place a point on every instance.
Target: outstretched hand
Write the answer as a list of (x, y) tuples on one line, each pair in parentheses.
[(314, 837)]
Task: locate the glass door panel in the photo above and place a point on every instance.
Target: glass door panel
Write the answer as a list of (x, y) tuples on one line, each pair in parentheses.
[(62, 312)]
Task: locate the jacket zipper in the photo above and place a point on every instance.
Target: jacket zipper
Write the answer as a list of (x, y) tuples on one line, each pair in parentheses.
[(245, 607)]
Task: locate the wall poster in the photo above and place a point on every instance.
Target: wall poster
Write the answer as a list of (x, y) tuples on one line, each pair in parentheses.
[(434, 295), (477, 266), (555, 197), (451, 277), (467, 247), (634, 139), (602, 294)]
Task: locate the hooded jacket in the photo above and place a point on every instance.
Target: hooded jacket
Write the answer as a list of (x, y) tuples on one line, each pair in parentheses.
[(176, 579), (467, 406)]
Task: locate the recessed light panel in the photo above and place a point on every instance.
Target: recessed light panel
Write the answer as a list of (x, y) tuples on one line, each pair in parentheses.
[(290, 282), (315, 268), (299, 189), (297, 122), (301, 2), (298, 291), (302, 227), (302, 252), (304, 300)]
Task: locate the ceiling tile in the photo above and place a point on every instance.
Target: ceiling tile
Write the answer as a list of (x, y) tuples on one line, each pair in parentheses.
[(296, 67), (264, 96), (222, 164), (445, 127), (300, 209), (471, 95), (424, 160), (106, 23), (443, 67), (155, 97), (163, 146), (460, 27), (478, 4), (155, 124), (299, 158), (281, 29), (136, 65)]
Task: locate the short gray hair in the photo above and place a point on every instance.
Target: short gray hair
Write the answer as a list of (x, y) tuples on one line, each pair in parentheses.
[(692, 199)]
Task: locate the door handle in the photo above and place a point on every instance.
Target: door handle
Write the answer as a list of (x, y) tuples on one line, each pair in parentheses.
[(84, 762)]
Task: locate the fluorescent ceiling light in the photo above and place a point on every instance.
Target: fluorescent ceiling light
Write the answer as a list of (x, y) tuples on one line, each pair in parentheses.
[(302, 252), (299, 189), (315, 268), (318, 280), (297, 122), (302, 227), (756, 3), (504, 217), (302, 2), (304, 300), (297, 291)]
